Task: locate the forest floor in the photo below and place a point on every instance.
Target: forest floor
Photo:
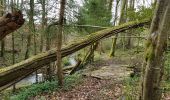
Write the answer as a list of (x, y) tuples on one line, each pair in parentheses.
[(89, 89), (102, 80)]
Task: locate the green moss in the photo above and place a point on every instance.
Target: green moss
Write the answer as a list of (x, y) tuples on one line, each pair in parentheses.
[(149, 53)]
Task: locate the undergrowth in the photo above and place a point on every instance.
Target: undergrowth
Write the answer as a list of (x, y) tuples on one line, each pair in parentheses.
[(131, 88), (46, 87), (132, 85), (167, 67)]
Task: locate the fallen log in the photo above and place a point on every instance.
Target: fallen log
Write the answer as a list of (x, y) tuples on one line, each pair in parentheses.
[(76, 67), (15, 73), (68, 68), (10, 22)]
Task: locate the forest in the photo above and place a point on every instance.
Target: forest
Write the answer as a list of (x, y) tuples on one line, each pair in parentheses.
[(84, 49)]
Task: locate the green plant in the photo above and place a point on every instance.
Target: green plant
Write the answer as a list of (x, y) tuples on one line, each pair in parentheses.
[(167, 68), (46, 87), (131, 88), (66, 62)]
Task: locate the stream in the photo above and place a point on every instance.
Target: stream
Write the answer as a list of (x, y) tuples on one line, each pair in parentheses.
[(31, 79)]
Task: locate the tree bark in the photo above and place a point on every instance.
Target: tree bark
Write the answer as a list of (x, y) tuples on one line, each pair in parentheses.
[(121, 20), (44, 24), (12, 3), (155, 51), (2, 3), (112, 52), (59, 42), (10, 22), (131, 8)]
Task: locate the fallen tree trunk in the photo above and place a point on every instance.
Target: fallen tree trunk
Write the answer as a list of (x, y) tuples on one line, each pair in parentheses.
[(76, 67), (15, 73), (10, 22)]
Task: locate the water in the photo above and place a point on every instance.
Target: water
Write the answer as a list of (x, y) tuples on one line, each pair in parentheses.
[(32, 78), (72, 61)]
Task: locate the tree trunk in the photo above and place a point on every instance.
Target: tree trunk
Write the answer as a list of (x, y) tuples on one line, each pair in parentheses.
[(114, 23), (89, 57), (155, 50), (128, 43), (59, 42), (44, 24), (2, 3), (2, 47), (13, 43), (31, 30), (121, 20), (47, 70)]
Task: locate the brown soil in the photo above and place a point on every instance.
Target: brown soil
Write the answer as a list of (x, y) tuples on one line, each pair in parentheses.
[(90, 89)]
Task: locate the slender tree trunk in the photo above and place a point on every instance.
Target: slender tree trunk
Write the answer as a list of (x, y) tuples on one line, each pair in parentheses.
[(59, 42), (13, 43), (123, 39), (32, 31), (13, 56), (27, 53), (131, 8), (2, 3), (47, 70), (2, 47), (44, 24), (114, 23), (155, 51), (22, 35), (121, 19)]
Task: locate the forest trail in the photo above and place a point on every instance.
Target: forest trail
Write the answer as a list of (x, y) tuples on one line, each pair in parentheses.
[(103, 80)]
